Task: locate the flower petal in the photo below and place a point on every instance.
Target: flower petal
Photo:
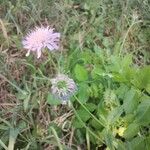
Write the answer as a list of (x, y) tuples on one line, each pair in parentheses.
[(38, 53)]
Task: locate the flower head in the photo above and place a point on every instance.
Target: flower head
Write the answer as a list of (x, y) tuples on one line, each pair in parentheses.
[(63, 87), (39, 38)]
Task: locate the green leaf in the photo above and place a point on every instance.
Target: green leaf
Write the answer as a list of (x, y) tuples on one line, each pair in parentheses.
[(96, 125), (142, 78), (130, 101), (91, 107), (129, 118), (127, 61), (131, 131), (26, 103), (77, 124), (56, 127), (137, 143), (84, 115), (97, 72), (52, 100), (147, 141), (114, 115), (109, 139), (94, 90), (143, 111), (83, 94), (121, 145), (80, 73), (3, 145), (121, 91)]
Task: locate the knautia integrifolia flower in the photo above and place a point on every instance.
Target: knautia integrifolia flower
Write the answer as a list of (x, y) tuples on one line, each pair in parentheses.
[(63, 87), (40, 38)]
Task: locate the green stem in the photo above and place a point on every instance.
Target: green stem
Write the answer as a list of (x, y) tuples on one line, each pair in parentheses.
[(89, 112), (122, 45), (89, 130), (18, 89), (57, 138)]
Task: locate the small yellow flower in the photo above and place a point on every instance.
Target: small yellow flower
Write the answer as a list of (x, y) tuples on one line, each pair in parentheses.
[(121, 131)]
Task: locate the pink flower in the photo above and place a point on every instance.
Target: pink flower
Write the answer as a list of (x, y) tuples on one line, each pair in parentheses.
[(40, 38)]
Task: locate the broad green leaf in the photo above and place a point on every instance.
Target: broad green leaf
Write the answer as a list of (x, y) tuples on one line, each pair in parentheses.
[(97, 72), (121, 91), (79, 136), (121, 145), (91, 107), (138, 143), (143, 112), (86, 56), (84, 115), (77, 124), (130, 101), (52, 100), (95, 124), (131, 131), (129, 118), (83, 94), (80, 73)]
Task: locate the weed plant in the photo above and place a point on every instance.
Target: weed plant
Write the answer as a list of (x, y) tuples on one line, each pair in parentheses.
[(104, 48)]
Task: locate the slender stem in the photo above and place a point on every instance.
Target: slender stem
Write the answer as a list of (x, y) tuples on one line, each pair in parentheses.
[(53, 63), (18, 89), (88, 129), (122, 45), (57, 138), (87, 139), (12, 138), (89, 112)]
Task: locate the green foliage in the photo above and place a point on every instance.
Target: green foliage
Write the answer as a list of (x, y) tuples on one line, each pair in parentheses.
[(104, 48), (80, 73), (52, 100)]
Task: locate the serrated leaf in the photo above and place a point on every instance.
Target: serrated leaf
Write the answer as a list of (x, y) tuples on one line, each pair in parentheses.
[(142, 78), (114, 115)]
